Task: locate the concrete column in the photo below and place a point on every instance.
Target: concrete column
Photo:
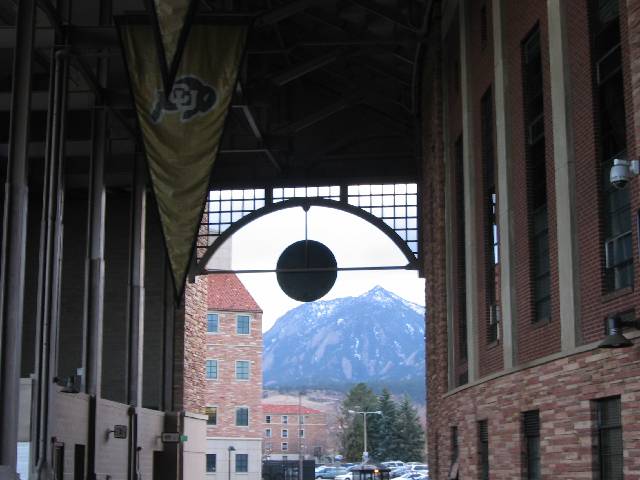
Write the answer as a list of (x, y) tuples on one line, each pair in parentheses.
[(449, 249), (564, 161), (471, 246), (12, 266), (505, 224)]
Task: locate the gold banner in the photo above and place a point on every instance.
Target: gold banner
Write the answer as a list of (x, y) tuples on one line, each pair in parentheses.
[(173, 19), (182, 131)]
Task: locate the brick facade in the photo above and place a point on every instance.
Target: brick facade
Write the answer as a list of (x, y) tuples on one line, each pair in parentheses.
[(562, 384), (314, 424)]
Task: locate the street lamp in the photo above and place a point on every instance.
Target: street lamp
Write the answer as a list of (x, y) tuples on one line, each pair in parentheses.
[(365, 453), (231, 448)]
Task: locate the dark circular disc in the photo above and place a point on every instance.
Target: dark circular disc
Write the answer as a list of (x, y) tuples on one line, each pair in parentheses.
[(306, 286)]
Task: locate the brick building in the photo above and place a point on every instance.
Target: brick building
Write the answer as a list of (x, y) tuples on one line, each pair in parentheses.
[(525, 106), (289, 430), (233, 375)]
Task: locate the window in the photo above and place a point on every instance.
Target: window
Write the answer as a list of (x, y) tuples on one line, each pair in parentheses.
[(211, 462), (285, 419), (267, 432), (212, 323), (285, 433), (483, 449), (285, 447), (212, 369), (212, 415), (609, 438), (490, 217), (242, 462), (242, 370), (454, 467), (531, 430), (301, 433), (302, 419), (454, 444), (242, 417), (536, 175), (242, 325), (267, 419), (612, 142)]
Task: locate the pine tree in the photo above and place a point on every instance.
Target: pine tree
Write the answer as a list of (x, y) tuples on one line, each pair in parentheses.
[(410, 434), (387, 447)]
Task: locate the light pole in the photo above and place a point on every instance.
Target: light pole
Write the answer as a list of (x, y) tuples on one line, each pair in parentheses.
[(365, 453), (231, 448)]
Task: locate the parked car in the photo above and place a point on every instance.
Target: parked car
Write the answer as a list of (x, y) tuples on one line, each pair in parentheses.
[(346, 476), (396, 472), (418, 475), (321, 468), (416, 467), (392, 464), (331, 472)]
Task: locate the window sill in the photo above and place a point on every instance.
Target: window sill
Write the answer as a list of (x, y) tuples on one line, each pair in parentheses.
[(608, 297), (541, 323)]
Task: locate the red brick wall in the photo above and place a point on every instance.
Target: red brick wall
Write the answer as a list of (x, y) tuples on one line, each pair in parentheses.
[(534, 340), (596, 304), (315, 432), (226, 392), (190, 328), (562, 390), (433, 250)]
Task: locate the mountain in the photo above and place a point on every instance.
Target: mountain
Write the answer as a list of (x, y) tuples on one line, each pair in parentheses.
[(376, 338)]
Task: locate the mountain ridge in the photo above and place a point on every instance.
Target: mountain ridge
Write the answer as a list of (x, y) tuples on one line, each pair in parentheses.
[(377, 338)]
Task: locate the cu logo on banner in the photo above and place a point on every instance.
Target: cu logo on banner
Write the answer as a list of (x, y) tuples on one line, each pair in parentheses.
[(189, 98)]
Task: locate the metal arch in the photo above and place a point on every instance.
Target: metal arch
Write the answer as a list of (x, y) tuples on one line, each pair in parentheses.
[(306, 203)]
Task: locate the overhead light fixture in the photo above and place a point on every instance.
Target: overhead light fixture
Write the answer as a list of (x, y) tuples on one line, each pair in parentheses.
[(613, 327)]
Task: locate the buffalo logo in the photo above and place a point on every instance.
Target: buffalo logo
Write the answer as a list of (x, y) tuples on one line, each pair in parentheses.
[(189, 97)]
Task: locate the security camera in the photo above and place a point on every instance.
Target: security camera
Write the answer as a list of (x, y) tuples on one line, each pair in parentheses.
[(623, 171)]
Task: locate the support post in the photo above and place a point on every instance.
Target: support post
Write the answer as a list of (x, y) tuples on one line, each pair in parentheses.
[(471, 247), (136, 284), (505, 220), (12, 266)]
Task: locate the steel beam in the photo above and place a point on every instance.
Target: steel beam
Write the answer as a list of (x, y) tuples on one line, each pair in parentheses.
[(12, 260), (304, 68), (285, 11), (382, 13), (136, 283), (326, 112)]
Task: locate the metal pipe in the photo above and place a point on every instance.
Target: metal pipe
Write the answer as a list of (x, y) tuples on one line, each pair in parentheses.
[(50, 256), (12, 266), (136, 284)]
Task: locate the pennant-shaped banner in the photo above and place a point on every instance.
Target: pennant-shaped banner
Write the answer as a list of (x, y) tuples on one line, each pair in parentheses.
[(181, 131), (172, 25)]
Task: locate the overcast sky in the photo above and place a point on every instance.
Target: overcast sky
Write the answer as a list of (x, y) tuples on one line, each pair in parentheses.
[(354, 242)]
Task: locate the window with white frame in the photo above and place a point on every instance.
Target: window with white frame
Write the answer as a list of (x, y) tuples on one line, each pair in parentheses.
[(301, 433), (267, 419), (242, 417), (211, 462), (285, 419), (212, 415), (285, 447), (243, 325), (242, 462), (267, 432), (285, 433), (242, 369), (212, 323), (211, 368)]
